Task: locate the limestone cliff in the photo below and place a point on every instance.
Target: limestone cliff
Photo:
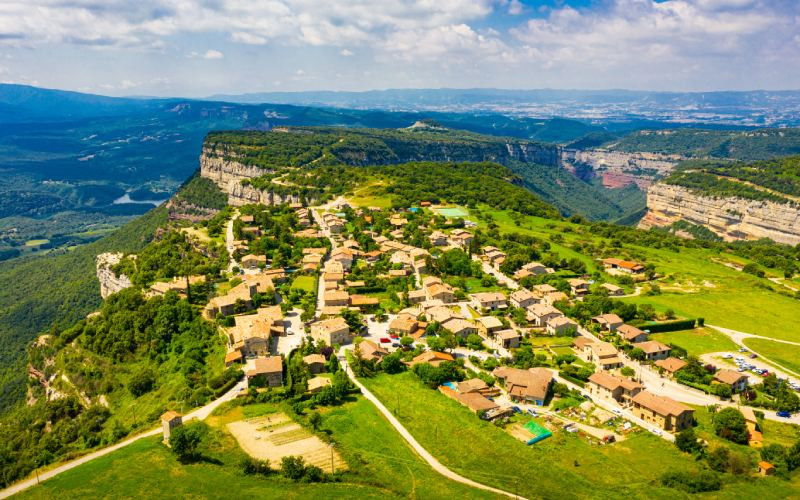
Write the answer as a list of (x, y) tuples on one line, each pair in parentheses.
[(730, 218), (618, 168), (110, 282), (222, 168)]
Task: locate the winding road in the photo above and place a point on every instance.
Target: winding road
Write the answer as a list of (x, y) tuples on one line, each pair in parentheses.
[(430, 459), (200, 413)]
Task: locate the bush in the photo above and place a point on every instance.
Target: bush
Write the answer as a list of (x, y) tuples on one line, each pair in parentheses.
[(686, 441), (142, 382), (669, 326), (252, 466), (692, 482)]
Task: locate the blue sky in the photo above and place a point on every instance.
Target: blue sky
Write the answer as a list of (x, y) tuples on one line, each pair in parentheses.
[(203, 47)]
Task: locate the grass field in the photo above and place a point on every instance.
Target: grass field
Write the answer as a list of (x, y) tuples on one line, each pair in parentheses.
[(562, 465), (36, 243), (786, 355), (697, 341), (381, 466), (304, 282)]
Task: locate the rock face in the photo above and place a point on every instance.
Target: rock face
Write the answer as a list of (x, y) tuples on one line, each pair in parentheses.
[(730, 218), (110, 282), (228, 174), (618, 168)]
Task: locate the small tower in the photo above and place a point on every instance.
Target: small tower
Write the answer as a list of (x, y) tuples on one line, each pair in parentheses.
[(169, 421)]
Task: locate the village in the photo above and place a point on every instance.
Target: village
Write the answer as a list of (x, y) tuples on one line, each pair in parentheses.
[(382, 287)]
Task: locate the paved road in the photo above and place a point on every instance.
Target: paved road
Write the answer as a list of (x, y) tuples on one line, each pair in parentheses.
[(501, 278), (200, 414), (430, 459)]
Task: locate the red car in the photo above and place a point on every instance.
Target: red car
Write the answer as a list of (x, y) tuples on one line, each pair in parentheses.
[(384, 340)]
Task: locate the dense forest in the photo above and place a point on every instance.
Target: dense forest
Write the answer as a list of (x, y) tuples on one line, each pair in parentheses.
[(709, 184), (743, 145), (536, 163), (55, 289)]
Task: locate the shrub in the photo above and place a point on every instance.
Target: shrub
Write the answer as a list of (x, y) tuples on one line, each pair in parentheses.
[(686, 441), (142, 382), (251, 466), (692, 482)]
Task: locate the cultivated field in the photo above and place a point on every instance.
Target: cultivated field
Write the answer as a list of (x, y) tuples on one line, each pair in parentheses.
[(275, 436)]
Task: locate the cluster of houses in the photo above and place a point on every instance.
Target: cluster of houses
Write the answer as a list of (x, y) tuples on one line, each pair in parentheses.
[(458, 238), (180, 285), (240, 298)]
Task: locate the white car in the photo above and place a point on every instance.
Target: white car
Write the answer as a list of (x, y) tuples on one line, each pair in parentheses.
[(727, 356), (616, 411), (657, 432)]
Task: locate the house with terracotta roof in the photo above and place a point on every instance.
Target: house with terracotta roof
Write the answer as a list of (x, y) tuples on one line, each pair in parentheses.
[(766, 468), (336, 298), (460, 327), (602, 354), (461, 238), (433, 358), (268, 372), (251, 261), (317, 384), (489, 325), (509, 339), (653, 350), (737, 381), (613, 290), (530, 385), (250, 333), (609, 322), (403, 324), (632, 334), (440, 291), (315, 362), (416, 296), (523, 298), (578, 287), (331, 331), (438, 239), (531, 269), (561, 326), (370, 351), (232, 357), (671, 365), (488, 300), (478, 386), (662, 411), (623, 266), (239, 296), (543, 289), (604, 385), (540, 314)]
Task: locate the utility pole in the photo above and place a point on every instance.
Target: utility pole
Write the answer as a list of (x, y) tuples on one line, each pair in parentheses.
[(36, 463)]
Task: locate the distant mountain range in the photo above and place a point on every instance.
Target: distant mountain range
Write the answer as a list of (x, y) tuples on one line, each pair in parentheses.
[(744, 108)]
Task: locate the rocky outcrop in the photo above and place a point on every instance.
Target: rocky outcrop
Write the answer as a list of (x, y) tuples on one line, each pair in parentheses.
[(227, 173), (619, 169), (730, 218), (110, 282)]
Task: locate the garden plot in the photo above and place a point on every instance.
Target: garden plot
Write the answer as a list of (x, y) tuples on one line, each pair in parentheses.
[(275, 436)]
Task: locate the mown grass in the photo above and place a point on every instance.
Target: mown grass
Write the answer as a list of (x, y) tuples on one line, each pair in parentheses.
[(380, 463), (305, 283), (698, 340), (786, 355), (564, 465)]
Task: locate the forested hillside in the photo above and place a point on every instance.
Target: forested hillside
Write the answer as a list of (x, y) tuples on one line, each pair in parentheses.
[(536, 164), (742, 145)]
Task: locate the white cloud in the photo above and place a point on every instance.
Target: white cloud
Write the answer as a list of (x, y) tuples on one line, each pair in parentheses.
[(346, 52), (213, 54)]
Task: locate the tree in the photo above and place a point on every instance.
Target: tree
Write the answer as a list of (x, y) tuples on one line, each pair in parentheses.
[(406, 341), (730, 424), (315, 419), (627, 371), (724, 391), (186, 439), (393, 363), (686, 441), (637, 353), (142, 382), (775, 454)]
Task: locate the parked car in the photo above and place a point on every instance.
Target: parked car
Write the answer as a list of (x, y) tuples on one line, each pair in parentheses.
[(616, 411), (784, 414), (532, 412), (727, 355), (516, 409), (743, 349), (753, 356)]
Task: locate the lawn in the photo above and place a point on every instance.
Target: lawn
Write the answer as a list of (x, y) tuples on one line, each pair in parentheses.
[(36, 243), (562, 464), (698, 340), (785, 355), (381, 465), (305, 283)]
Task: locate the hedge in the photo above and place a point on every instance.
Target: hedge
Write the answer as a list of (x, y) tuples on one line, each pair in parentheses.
[(572, 379), (669, 326)]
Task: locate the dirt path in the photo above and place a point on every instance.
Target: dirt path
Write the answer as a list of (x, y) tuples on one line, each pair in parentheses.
[(200, 414), (430, 459)]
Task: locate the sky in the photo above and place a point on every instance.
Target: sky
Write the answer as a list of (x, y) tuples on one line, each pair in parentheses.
[(197, 48)]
